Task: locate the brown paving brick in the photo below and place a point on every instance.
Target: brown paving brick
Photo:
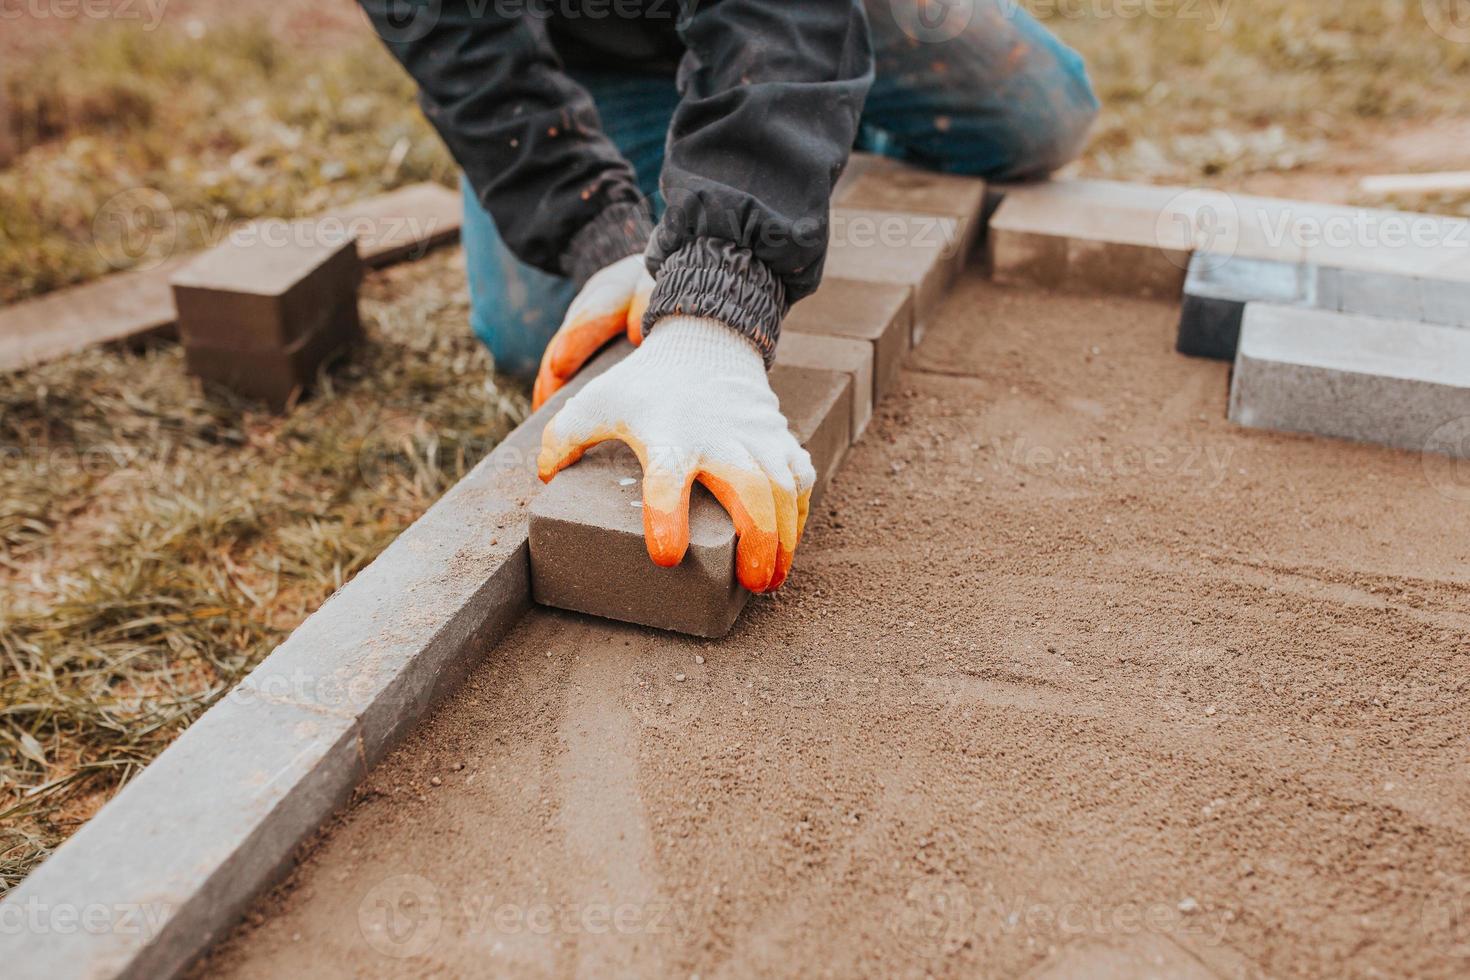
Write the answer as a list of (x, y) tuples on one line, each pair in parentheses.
[(260, 312), (880, 314), (915, 250), (846, 355), (114, 308), (403, 224), (886, 185), (1091, 236), (587, 547)]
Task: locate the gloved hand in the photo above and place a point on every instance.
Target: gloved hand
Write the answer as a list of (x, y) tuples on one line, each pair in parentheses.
[(613, 301), (694, 403)]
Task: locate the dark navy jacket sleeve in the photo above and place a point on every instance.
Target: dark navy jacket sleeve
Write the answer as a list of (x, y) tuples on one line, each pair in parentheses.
[(526, 135), (770, 96)]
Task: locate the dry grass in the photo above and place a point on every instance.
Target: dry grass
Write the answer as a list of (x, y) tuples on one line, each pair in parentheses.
[(157, 541)]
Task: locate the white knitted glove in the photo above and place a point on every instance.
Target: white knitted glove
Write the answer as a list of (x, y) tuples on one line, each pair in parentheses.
[(694, 403), (611, 303)]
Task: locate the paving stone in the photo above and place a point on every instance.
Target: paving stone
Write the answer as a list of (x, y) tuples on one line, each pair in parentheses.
[(817, 405), (1092, 236), (262, 310), (848, 355), (914, 250), (164, 861), (1440, 301), (113, 308), (1391, 382), (879, 314), (888, 185), (588, 552), (1216, 291), (586, 539), (180, 852), (402, 225)]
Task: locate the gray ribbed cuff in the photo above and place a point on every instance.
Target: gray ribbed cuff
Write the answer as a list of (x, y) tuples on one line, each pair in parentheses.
[(719, 279), (619, 231)]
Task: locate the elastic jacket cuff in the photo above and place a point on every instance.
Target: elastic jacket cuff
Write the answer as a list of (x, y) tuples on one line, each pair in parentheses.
[(619, 231), (713, 278)]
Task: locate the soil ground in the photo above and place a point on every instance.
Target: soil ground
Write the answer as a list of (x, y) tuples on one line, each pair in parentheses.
[(1073, 678)]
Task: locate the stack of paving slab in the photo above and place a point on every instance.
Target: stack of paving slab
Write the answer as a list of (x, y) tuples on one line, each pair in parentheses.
[(1344, 322), (899, 239)]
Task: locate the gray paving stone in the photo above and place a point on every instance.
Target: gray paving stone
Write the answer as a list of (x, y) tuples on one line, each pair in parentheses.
[(914, 250), (1391, 382), (879, 314), (587, 547), (1217, 289), (1442, 301), (176, 856), (817, 404), (170, 862), (1091, 236), (826, 353), (887, 185)]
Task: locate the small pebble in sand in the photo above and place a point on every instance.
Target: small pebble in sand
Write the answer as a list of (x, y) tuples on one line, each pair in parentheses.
[(436, 781), (668, 700), (1188, 906), (698, 659), (1210, 710), (627, 481), (679, 678), (458, 766)]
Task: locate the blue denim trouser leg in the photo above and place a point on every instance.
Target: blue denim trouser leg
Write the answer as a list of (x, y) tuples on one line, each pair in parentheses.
[(514, 309), (984, 90)]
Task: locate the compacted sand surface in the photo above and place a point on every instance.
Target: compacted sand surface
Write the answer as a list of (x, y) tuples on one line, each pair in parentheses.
[(1073, 678)]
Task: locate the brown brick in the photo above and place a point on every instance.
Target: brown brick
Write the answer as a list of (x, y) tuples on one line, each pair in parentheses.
[(877, 313), (913, 250), (403, 224), (260, 312), (114, 308), (845, 355), (587, 547)]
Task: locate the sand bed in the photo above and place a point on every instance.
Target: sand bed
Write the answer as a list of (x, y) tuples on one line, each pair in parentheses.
[(1072, 677)]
